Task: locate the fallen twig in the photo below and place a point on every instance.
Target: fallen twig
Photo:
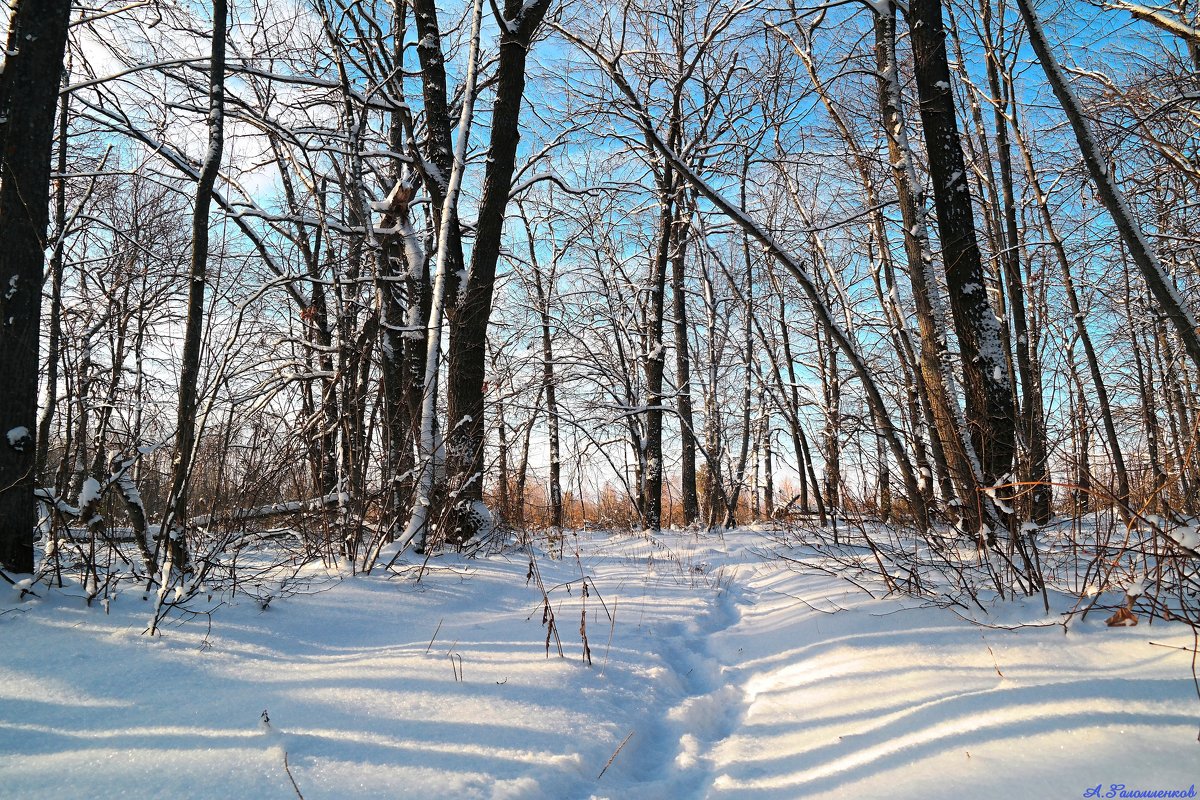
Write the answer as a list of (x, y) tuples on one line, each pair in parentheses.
[(614, 755)]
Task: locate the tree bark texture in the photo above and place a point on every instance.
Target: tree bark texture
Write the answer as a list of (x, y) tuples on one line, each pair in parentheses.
[(28, 89), (989, 410), (469, 318)]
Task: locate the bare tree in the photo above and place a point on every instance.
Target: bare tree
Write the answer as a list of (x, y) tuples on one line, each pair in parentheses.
[(32, 69), (519, 23), (172, 538), (988, 392), (1141, 249)]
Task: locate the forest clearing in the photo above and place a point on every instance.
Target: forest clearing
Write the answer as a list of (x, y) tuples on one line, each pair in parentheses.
[(722, 665), (604, 398)]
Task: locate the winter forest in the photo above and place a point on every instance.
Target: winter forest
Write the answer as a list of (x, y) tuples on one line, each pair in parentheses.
[(763, 398)]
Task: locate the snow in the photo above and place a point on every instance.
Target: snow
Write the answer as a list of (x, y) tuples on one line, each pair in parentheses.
[(1186, 535), (89, 492), (129, 490), (726, 674), (18, 437)]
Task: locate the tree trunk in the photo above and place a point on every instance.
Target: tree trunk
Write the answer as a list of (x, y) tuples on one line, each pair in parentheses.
[(1031, 412), (1145, 379), (683, 373), (1083, 445), (28, 88), (523, 467), (174, 527), (988, 392), (549, 390), (1078, 318), (469, 318), (1141, 250), (401, 263), (804, 465), (504, 481), (831, 392), (962, 462), (439, 144), (654, 356), (882, 271), (768, 469), (54, 332), (747, 368), (885, 483), (418, 528)]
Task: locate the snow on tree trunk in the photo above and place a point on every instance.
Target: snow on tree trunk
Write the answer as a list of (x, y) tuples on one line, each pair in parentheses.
[(471, 312), (988, 391), (418, 524), (1025, 338), (962, 461), (653, 356), (28, 88)]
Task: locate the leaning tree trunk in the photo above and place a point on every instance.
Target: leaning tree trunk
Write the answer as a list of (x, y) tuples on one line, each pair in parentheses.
[(172, 537), (469, 318), (1141, 250), (37, 36)]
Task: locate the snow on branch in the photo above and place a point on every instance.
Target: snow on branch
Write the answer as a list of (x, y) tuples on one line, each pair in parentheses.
[(273, 509), (1158, 19)]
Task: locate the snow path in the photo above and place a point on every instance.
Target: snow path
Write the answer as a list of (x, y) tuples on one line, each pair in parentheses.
[(725, 674)]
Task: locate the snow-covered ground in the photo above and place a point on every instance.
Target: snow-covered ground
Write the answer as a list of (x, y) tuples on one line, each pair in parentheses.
[(716, 672)]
